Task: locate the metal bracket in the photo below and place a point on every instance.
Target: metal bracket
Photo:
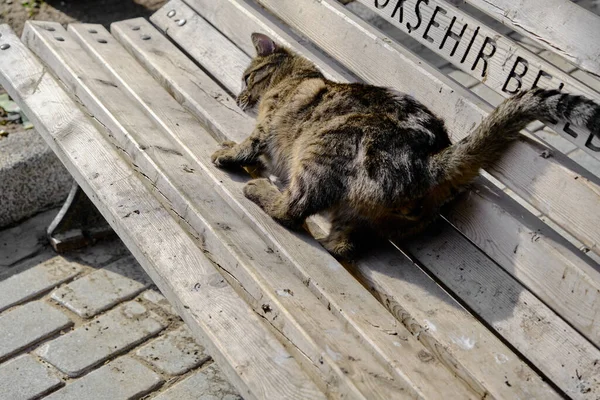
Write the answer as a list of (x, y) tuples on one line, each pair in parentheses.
[(77, 224)]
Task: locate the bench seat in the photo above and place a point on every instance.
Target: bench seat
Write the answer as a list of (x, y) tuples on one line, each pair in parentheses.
[(492, 302)]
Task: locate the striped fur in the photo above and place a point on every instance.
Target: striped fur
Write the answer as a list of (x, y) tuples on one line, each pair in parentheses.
[(377, 160)]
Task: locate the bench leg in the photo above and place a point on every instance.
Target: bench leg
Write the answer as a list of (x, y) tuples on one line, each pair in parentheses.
[(77, 224)]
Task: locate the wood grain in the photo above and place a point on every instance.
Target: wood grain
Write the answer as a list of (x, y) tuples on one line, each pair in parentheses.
[(548, 341), (558, 25), (252, 359), (345, 297), (534, 254)]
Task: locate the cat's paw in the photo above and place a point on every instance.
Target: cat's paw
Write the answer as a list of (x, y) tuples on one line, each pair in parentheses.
[(225, 156), (340, 248), (260, 191), (228, 144)]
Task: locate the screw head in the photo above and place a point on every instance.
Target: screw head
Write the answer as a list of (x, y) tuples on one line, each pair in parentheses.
[(4, 46), (145, 37), (171, 13), (181, 22)]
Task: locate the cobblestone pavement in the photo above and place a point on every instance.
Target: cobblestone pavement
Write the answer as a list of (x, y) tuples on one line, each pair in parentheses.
[(90, 325)]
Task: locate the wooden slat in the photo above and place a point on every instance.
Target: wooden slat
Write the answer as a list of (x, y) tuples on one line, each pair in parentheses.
[(559, 25), (509, 69), (553, 269), (522, 270), (316, 335), (547, 341), (187, 40), (328, 66), (232, 333), (445, 312)]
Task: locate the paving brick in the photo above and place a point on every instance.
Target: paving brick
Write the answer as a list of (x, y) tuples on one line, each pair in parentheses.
[(158, 299), (27, 325), (121, 379), (34, 281), (104, 288), (24, 378), (92, 343), (206, 384), (102, 253), (23, 240), (174, 353)]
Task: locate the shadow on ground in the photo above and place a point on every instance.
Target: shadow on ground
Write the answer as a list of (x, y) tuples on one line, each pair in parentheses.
[(66, 11)]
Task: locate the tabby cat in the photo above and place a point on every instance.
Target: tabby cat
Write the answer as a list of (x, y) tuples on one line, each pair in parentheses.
[(376, 159)]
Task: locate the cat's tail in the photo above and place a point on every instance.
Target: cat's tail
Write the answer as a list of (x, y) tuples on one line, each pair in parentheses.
[(459, 164)]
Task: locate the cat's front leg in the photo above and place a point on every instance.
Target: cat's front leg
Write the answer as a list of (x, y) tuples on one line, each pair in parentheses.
[(246, 153), (275, 203)]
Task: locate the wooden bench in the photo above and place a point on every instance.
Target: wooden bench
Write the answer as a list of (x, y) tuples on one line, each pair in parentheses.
[(492, 302)]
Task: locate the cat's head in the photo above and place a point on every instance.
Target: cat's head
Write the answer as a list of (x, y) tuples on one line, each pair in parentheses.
[(258, 77), (271, 64)]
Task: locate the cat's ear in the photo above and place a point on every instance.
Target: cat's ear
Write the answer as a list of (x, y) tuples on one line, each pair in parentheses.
[(263, 44)]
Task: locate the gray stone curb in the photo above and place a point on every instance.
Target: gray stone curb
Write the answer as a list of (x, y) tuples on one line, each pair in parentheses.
[(32, 178)]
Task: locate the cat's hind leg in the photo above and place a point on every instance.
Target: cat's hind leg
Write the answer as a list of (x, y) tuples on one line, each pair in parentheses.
[(349, 233), (306, 195), (278, 205), (339, 242)]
